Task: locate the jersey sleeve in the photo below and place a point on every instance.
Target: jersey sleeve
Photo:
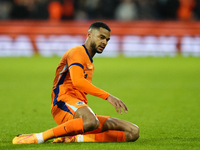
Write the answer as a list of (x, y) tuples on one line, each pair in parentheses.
[(78, 80)]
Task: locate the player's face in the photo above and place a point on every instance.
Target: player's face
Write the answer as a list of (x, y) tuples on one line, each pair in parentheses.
[(99, 40)]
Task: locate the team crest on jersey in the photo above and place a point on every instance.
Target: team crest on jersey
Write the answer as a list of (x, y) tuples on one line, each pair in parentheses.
[(80, 103)]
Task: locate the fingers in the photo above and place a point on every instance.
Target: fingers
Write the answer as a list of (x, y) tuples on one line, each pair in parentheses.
[(123, 106), (116, 108)]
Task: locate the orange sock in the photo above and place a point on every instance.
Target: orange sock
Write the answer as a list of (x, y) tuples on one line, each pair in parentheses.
[(108, 136), (71, 127), (48, 134)]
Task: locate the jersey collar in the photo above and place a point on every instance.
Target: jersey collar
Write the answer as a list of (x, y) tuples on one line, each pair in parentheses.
[(88, 54)]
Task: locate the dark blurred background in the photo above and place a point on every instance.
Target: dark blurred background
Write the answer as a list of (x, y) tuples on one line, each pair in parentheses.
[(126, 10)]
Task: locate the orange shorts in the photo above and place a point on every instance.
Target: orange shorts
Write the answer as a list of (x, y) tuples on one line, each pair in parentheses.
[(66, 108)]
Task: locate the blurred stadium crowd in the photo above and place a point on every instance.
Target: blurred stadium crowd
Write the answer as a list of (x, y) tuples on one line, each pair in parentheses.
[(100, 9)]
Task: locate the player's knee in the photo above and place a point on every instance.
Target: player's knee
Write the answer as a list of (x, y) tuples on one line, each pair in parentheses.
[(94, 123), (133, 134), (90, 124)]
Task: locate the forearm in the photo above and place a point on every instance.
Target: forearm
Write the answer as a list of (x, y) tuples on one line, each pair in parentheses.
[(84, 85)]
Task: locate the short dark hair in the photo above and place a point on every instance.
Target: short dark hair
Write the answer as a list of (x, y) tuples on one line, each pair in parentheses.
[(97, 25)]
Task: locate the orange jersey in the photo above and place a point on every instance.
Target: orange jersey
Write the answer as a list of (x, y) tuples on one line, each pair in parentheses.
[(73, 77)]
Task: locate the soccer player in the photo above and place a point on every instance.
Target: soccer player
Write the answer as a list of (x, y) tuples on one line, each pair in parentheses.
[(76, 120)]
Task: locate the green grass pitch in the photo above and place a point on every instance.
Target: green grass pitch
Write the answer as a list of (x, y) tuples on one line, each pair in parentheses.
[(162, 94)]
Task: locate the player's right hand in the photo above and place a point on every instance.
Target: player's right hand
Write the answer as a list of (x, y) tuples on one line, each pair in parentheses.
[(117, 103)]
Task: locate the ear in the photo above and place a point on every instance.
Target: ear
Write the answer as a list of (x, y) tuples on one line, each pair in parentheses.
[(89, 34)]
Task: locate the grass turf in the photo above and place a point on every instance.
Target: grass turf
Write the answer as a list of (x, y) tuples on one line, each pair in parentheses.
[(162, 95)]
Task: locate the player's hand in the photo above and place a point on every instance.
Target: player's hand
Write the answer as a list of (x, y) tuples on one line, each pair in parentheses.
[(117, 103)]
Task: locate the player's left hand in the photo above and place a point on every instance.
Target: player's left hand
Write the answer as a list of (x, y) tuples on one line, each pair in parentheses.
[(117, 103)]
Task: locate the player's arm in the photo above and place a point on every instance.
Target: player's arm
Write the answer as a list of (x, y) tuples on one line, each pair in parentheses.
[(78, 80)]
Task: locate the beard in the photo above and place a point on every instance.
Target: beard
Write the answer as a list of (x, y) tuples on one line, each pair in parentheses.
[(94, 47)]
